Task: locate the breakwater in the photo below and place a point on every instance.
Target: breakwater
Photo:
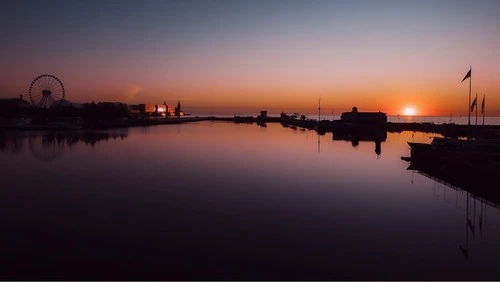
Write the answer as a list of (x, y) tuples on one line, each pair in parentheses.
[(322, 127), (339, 126), (71, 124), (445, 129)]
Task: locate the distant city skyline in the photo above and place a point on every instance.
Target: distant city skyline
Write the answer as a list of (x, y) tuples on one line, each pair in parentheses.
[(377, 55)]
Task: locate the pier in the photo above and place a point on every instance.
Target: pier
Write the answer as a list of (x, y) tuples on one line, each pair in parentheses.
[(322, 127)]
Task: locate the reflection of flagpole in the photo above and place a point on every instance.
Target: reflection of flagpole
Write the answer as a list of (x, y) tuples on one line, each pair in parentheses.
[(481, 219), (474, 220), (465, 250)]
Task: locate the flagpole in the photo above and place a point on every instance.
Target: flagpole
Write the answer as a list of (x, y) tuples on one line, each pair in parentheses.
[(482, 107), (476, 130), (476, 109)]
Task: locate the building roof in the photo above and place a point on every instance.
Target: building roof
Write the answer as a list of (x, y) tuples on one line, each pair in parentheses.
[(65, 103), (14, 102)]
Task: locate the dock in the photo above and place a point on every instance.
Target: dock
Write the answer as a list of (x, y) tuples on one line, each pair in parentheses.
[(324, 126)]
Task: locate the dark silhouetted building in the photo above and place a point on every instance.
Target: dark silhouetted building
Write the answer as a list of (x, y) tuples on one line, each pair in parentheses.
[(364, 118)]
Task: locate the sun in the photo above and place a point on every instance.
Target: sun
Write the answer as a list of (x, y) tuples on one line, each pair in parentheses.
[(409, 111)]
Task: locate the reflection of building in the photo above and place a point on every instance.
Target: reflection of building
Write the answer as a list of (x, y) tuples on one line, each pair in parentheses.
[(364, 118), (50, 145), (355, 135)]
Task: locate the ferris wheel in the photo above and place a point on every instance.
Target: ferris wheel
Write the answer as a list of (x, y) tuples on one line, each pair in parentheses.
[(45, 90)]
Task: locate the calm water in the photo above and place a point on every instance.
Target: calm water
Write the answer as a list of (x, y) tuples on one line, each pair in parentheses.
[(224, 201)]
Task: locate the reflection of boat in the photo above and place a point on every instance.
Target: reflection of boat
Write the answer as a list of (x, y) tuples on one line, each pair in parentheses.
[(480, 183)]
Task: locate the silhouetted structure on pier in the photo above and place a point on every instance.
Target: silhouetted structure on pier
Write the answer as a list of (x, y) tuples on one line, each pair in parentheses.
[(356, 118), (178, 111)]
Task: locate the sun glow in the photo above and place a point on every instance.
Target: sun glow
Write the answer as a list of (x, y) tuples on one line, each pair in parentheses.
[(409, 111)]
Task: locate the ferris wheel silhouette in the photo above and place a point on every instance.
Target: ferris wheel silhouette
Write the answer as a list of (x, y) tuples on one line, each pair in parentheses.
[(45, 89)]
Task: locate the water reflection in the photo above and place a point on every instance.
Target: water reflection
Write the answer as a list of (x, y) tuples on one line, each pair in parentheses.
[(482, 186), (11, 142), (224, 201), (354, 135), (46, 147), (477, 189), (50, 145), (470, 221)]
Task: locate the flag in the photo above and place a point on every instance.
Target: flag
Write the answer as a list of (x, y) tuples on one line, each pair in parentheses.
[(473, 104), (467, 75), (482, 105)]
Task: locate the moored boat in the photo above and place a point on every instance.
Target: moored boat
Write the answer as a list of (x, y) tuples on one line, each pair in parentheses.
[(461, 155)]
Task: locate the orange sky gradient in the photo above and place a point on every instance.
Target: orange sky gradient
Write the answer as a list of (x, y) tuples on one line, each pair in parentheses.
[(232, 57)]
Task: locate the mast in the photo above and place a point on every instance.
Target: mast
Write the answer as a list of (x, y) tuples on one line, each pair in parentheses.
[(319, 110), (319, 121)]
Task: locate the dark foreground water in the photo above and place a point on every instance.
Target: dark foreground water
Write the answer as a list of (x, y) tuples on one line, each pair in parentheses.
[(224, 201)]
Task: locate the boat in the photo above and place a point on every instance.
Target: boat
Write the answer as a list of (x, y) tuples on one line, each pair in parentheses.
[(444, 146), (465, 158), (471, 165)]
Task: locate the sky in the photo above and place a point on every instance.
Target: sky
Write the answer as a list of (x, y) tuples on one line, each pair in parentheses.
[(235, 55)]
